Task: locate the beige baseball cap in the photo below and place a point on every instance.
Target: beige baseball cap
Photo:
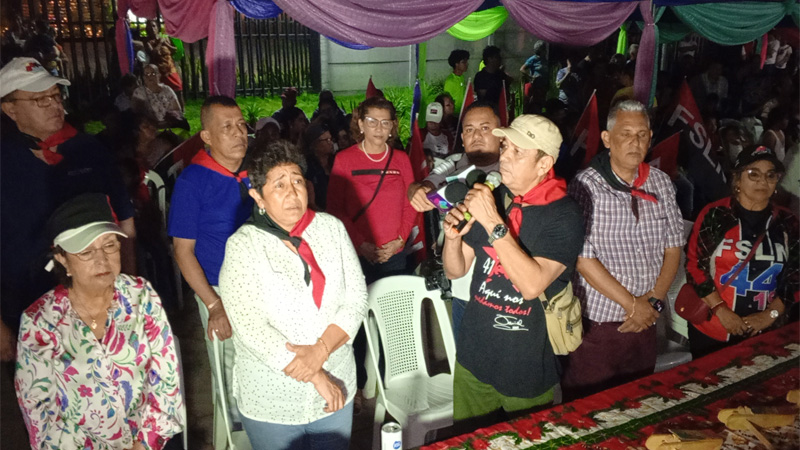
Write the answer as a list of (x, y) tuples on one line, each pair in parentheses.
[(28, 75), (531, 131)]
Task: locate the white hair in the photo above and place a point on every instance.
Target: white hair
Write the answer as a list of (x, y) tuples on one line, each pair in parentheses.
[(627, 106)]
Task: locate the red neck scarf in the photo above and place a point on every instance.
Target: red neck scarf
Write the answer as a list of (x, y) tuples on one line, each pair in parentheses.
[(313, 273), (51, 157), (641, 178), (202, 158), (317, 277), (547, 191), (602, 164)]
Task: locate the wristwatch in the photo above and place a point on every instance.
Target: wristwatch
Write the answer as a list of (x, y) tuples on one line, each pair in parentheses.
[(773, 314), (498, 232)]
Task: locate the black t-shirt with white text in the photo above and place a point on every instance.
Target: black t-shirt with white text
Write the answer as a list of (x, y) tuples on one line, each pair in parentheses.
[(504, 340)]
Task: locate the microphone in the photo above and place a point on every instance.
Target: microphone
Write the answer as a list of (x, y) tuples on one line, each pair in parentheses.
[(493, 179), (476, 176), (456, 188), (447, 196)]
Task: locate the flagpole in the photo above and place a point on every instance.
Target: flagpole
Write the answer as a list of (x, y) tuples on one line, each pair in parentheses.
[(588, 102), (461, 113)]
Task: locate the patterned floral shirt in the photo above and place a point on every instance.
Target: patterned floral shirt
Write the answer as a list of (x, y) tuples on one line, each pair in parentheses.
[(80, 393)]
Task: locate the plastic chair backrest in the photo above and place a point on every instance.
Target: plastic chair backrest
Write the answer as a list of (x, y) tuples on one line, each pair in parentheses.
[(185, 433), (151, 177), (219, 375), (396, 305)]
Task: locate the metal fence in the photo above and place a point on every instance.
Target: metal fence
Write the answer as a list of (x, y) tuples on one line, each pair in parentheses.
[(85, 30), (271, 53)]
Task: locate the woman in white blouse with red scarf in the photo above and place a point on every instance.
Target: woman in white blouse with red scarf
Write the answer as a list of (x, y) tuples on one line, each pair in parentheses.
[(295, 296)]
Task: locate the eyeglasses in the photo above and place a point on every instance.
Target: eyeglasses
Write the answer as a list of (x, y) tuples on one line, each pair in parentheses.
[(325, 139), (42, 102), (109, 248), (756, 175), (373, 123), (150, 74)]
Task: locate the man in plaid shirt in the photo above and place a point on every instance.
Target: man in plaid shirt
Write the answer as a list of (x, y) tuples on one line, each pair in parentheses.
[(631, 252)]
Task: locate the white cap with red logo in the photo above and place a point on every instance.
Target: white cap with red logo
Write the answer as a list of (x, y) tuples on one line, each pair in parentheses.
[(27, 74)]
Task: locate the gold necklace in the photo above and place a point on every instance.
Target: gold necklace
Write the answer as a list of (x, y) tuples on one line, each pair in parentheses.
[(93, 325)]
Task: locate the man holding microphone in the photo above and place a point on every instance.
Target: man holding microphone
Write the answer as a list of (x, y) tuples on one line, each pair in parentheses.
[(525, 238)]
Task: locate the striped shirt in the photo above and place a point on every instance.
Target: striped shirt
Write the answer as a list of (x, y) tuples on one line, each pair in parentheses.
[(631, 250)]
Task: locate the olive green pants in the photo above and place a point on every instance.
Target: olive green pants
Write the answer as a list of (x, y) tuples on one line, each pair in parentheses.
[(473, 398)]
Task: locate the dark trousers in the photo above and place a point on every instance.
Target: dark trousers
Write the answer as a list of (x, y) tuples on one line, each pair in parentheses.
[(701, 345), (459, 306), (607, 358)]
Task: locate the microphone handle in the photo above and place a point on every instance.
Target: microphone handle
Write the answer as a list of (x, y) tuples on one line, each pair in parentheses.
[(467, 216), (460, 225)]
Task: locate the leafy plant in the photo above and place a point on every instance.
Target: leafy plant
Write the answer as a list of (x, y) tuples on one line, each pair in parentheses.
[(252, 109)]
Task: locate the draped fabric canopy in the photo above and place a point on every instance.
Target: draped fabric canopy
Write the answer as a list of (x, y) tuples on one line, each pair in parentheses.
[(479, 24), (404, 22), (362, 24), (573, 23), (734, 23), (379, 24)]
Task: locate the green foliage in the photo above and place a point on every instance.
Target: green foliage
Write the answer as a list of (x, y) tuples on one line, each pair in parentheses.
[(252, 109), (401, 99)]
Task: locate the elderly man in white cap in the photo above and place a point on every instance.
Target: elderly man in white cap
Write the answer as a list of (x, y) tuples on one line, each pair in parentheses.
[(525, 238), (44, 162)]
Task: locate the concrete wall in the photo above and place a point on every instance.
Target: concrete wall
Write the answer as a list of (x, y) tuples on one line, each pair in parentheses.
[(346, 71), (517, 46)]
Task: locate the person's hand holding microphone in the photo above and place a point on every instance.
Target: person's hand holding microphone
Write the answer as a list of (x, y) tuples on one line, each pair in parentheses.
[(479, 203)]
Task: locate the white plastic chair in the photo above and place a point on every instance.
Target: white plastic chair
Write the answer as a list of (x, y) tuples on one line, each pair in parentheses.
[(672, 332), (154, 179), (237, 440), (185, 433), (154, 182), (419, 402)]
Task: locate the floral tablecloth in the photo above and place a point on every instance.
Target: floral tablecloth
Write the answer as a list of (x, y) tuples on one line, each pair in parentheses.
[(759, 371)]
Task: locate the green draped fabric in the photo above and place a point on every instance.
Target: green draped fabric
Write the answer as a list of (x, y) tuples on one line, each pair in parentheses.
[(479, 24), (672, 32), (179, 52), (622, 40), (734, 23)]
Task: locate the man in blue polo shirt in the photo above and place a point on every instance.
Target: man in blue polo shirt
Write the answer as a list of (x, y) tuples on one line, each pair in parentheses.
[(209, 203), (44, 162)]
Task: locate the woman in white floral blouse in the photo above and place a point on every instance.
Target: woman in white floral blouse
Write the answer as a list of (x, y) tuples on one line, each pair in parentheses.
[(96, 364)]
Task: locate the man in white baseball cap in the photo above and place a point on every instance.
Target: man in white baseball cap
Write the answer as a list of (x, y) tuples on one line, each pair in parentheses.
[(44, 162), (31, 97)]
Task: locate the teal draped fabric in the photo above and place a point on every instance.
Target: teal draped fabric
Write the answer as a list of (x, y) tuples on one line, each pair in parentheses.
[(668, 32), (734, 23), (479, 24)]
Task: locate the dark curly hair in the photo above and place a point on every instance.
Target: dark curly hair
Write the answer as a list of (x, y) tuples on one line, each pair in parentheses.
[(456, 56), (265, 157), (364, 107)]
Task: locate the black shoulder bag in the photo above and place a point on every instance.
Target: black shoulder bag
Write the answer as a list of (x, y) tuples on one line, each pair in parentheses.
[(377, 188)]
